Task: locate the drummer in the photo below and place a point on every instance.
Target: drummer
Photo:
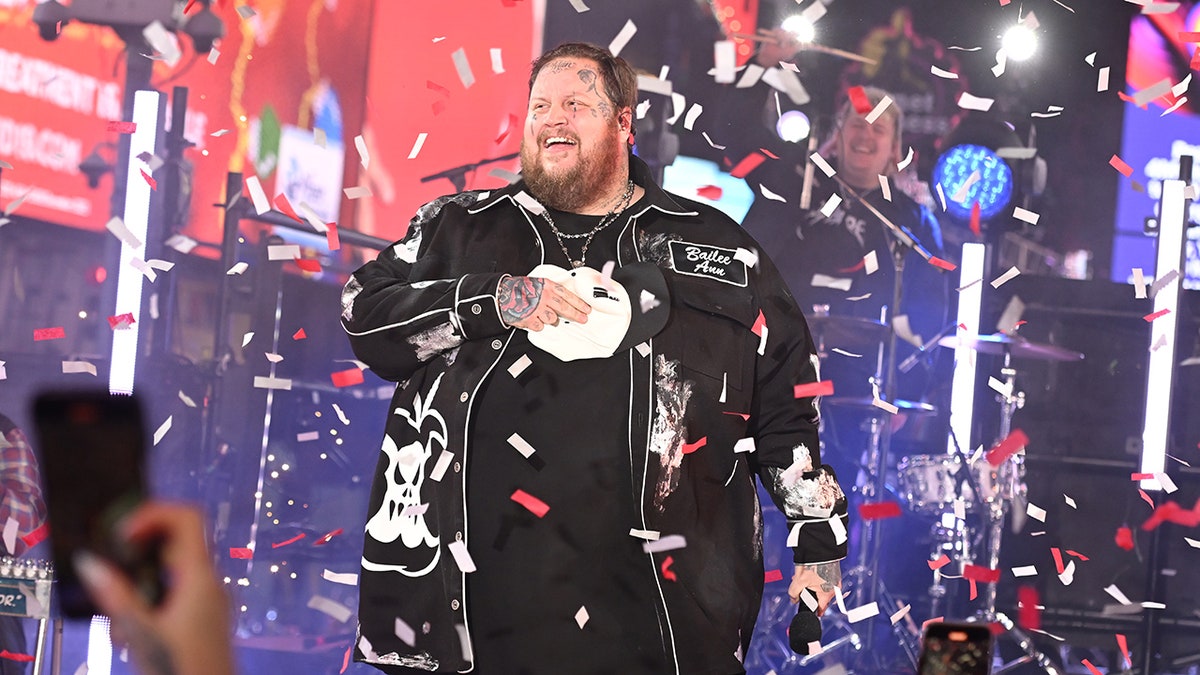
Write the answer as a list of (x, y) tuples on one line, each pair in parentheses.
[(843, 264)]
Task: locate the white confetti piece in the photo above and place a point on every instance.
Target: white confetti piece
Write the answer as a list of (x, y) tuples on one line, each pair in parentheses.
[(219, 133), (1102, 79), (744, 445), (1139, 283), (690, 119), (871, 262), (960, 195), (341, 414), (839, 530), (443, 463), (724, 386), (70, 367), (1011, 274), (521, 445), (1165, 481), (643, 348), (532, 205), (821, 164), (843, 352), (885, 406), (162, 429), (462, 557), (579, 6), (283, 251), (1026, 571), (647, 301), (261, 382), (885, 187), (238, 268), (944, 74), (1192, 542), (333, 608), (642, 108), (1162, 282), (357, 192), (164, 42), (906, 161), (314, 220), (416, 148), (344, 578), (187, 400), (1025, 215), (307, 436), (16, 203), (750, 258), (762, 341), (146, 270), (623, 37), (10, 535), (319, 137), (405, 632), (246, 11), (181, 243), (117, 227), (1070, 502), (900, 614), (246, 338), (771, 195), (413, 510), (794, 534), (520, 365), (880, 107), (1001, 387), (364, 156), (1117, 595), (259, 197), (967, 101), (648, 535), (940, 194), (1145, 96), (725, 59), (1068, 574), (831, 205), (1174, 106), (1090, 59), (710, 141), (678, 103), (1036, 512), (670, 542), (581, 617), (5, 165), (864, 612), (809, 600), (213, 55), (825, 281)]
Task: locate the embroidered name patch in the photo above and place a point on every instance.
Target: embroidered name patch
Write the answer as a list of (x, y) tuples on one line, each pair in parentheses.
[(711, 262)]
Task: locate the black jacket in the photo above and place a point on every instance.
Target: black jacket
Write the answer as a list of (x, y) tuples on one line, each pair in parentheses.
[(424, 314)]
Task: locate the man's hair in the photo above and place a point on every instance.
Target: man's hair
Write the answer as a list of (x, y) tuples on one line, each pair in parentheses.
[(874, 95), (620, 80)]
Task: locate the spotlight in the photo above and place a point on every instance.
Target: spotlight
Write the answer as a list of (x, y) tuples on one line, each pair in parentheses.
[(992, 189), (793, 126), (1019, 42), (800, 26)]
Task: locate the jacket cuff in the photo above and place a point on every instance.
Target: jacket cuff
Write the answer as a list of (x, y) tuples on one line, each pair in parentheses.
[(821, 540), (475, 308)]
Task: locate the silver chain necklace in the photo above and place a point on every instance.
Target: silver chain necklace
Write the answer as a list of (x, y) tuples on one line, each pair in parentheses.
[(608, 219)]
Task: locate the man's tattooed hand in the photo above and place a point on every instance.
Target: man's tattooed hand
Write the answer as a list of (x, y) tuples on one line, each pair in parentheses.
[(518, 298)]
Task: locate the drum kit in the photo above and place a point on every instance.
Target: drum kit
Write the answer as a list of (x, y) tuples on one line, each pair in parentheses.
[(966, 497)]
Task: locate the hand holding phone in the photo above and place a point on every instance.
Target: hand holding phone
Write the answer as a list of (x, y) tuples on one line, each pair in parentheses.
[(956, 649)]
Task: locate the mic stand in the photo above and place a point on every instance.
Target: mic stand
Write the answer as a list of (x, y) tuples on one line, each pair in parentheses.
[(458, 175)]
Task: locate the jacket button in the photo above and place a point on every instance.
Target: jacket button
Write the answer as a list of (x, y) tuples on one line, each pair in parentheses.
[(454, 604), (496, 344), (475, 309), (458, 536), (457, 467), (463, 398)]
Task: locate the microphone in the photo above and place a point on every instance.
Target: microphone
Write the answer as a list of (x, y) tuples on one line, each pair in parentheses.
[(805, 628)]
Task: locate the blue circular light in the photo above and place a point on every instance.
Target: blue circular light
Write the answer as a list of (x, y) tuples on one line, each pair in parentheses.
[(993, 190)]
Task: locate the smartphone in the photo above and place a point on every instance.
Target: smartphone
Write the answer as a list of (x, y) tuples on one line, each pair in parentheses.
[(956, 649), (92, 448)]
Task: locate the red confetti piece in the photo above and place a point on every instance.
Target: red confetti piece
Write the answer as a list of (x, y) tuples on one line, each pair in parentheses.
[(879, 510), (536, 506), (332, 237), (281, 202), (944, 264), (1141, 476), (975, 217), (15, 656), (1146, 498), (749, 163), (1173, 513), (1004, 3), (768, 153), (190, 5), (1150, 317), (962, 326), (862, 263), (121, 321), (1120, 165), (309, 265), (986, 575), (347, 378), (1028, 614), (860, 101), (509, 123), (1129, 99), (437, 88), (1124, 646), (1189, 36), (974, 588), (1007, 448), (745, 416), (939, 563), (241, 553), (759, 324), (122, 127), (438, 107), (1076, 554), (1091, 668), (1195, 64), (289, 541), (324, 539), (772, 575), (689, 448), (149, 179), (37, 536), (709, 192), (1058, 561), (346, 658), (1124, 538), (56, 333), (299, 335), (667, 573), (822, 388)]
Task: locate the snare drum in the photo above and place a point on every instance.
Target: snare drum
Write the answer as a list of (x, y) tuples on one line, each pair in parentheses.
[(929, 483)]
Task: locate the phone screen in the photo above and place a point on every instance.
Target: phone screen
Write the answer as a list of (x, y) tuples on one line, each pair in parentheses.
[(92, 446), (956, 649)]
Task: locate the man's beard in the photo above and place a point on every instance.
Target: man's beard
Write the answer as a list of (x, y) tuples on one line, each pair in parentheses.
[(573, 188)]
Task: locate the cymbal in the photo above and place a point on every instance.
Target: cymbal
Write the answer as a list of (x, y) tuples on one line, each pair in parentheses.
[(846, 332), (1019, 347), (866, 403)]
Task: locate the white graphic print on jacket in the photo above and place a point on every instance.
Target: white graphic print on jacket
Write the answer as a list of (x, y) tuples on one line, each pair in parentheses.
[(398, 516)]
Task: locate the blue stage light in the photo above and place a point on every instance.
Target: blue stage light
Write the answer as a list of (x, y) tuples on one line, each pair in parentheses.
[(993, 190)]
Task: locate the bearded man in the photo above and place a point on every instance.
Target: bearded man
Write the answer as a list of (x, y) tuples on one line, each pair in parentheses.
[(591, 374)]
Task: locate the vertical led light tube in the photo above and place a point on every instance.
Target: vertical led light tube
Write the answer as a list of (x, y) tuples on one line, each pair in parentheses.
[(1159, 383), (137, 221), (962, 391)]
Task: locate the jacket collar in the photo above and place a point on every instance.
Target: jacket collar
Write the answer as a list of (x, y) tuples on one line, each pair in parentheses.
[(656, 197)]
